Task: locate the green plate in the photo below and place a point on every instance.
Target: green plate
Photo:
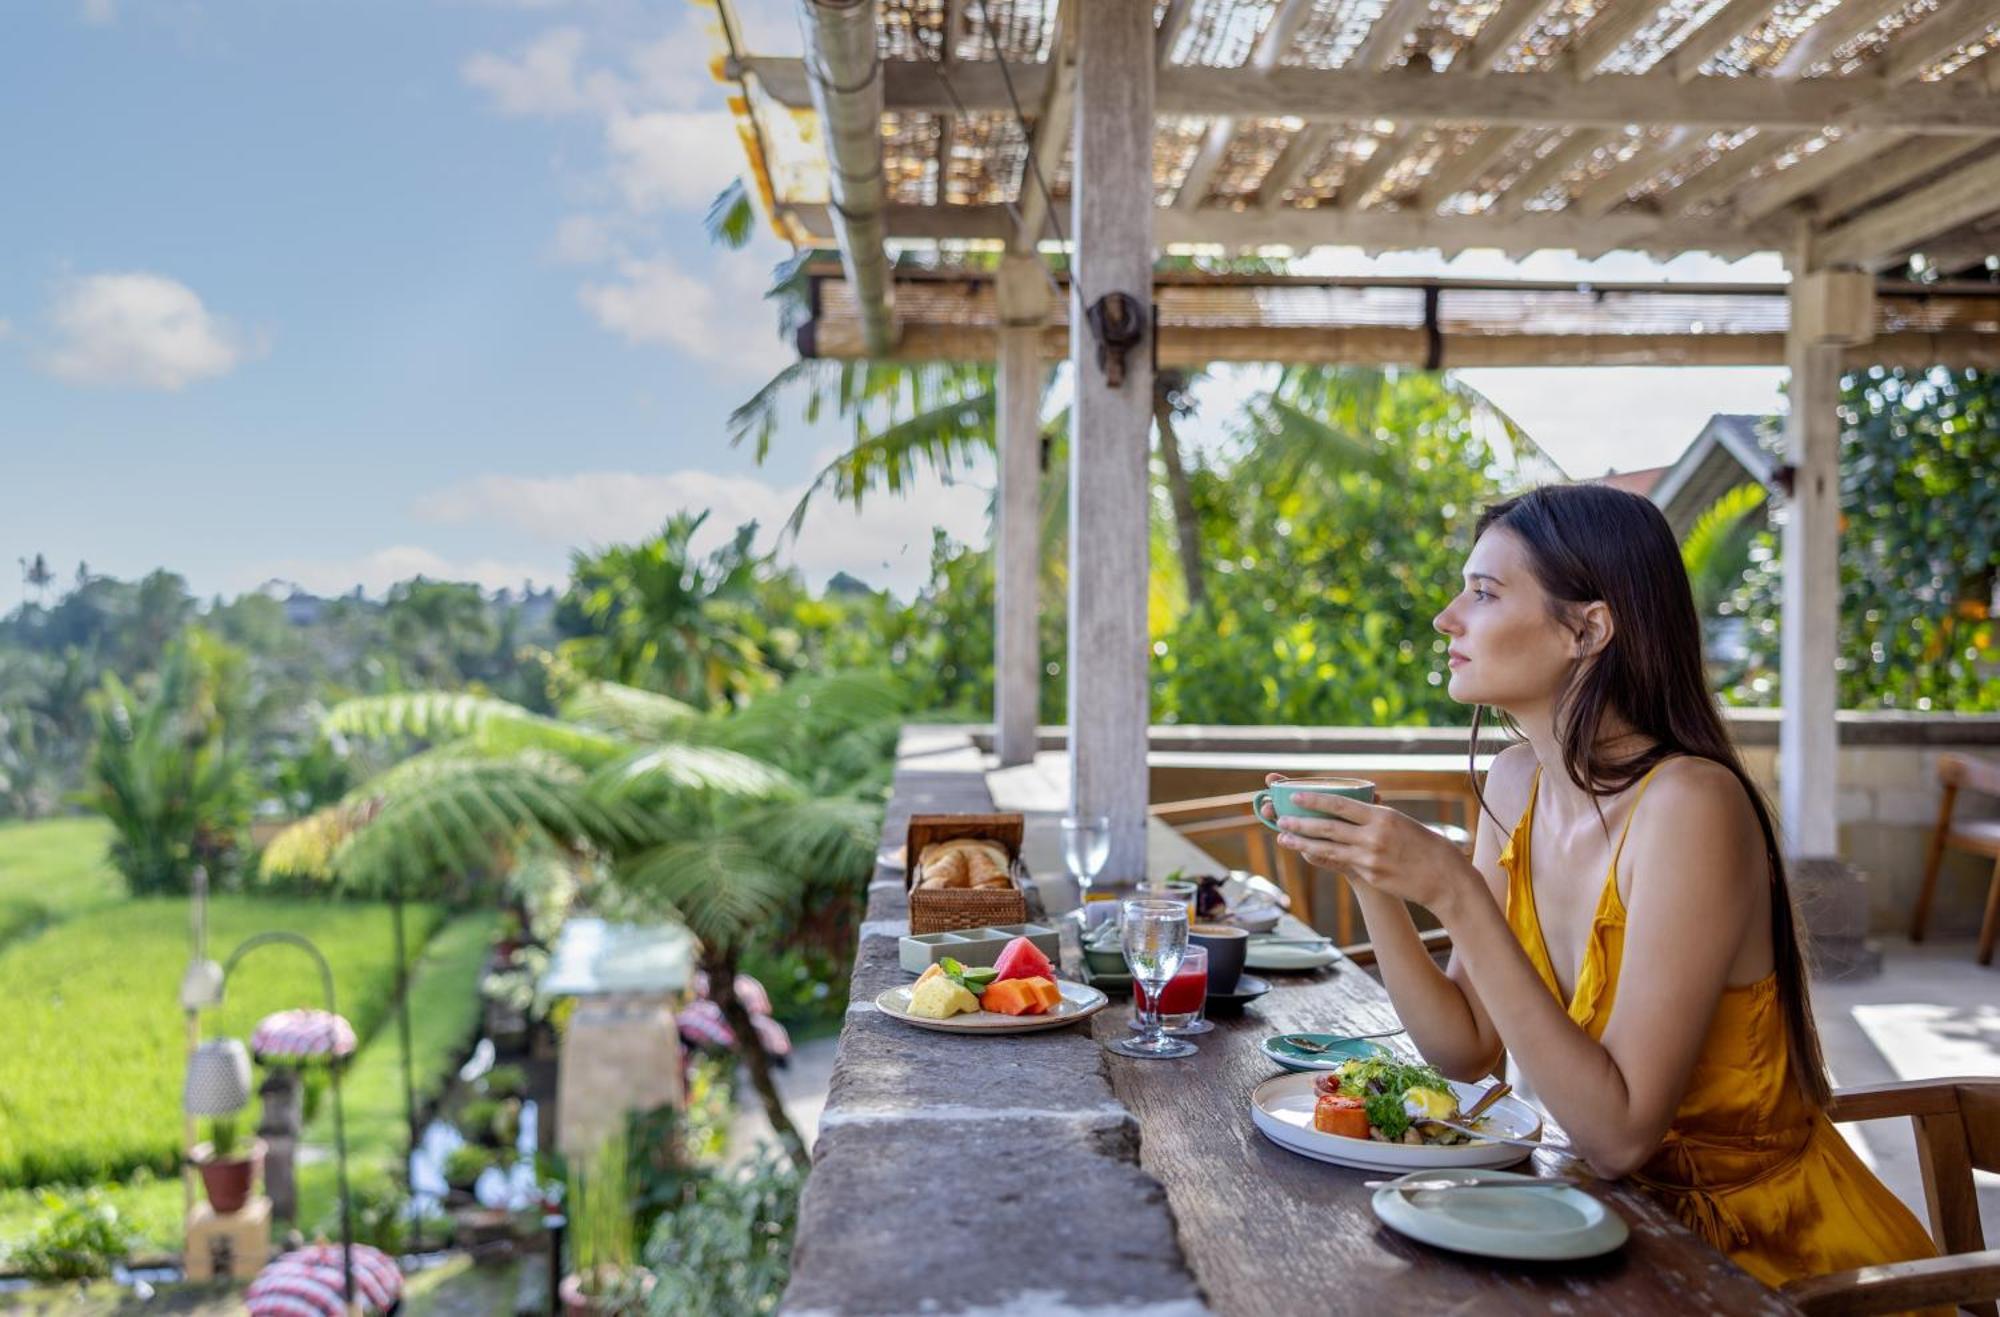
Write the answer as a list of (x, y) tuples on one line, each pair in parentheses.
[(1340, 1048)]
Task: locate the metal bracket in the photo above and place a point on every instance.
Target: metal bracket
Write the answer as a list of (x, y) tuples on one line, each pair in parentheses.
[(1117, 322)]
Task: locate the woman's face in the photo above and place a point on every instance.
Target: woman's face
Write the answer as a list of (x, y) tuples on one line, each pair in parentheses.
[(1507, 650)]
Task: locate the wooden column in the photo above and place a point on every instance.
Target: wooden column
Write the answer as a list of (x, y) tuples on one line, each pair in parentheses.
[(1112, 222), (1017, 661), (1830, 310)]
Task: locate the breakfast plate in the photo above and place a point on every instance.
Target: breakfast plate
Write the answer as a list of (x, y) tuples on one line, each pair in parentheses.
[(1557, 1224), (1079, 1002), (1282, 1110)]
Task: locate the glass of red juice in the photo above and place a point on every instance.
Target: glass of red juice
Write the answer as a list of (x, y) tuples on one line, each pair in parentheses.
[(1183, 1000)]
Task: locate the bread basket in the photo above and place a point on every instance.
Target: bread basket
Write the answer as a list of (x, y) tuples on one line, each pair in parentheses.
[(947, 909)]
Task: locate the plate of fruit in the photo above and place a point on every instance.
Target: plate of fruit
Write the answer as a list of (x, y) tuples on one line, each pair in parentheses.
[(1018, 994)]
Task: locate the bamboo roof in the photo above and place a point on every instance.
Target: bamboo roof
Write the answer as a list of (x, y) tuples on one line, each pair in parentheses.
[(1841, 132)]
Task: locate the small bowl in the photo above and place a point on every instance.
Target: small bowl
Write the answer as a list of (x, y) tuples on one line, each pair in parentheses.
[(1105, 960), (1259, 918)]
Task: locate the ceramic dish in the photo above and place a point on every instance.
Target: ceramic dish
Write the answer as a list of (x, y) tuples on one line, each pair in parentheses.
[(1278, 956), (974, 948), (1248, 989), (1339, 1049), (1282, 1110), (1558, 1224), (1079, 1002)]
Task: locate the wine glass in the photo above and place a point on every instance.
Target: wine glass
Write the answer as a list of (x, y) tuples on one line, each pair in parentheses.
[(1155, 936), (1086, 848)]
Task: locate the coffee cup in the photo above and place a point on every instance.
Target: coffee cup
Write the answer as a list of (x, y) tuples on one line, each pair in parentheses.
[(1282, 797), (1226, 949)]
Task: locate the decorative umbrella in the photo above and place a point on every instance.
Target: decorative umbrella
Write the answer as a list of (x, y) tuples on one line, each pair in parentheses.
[(304, 1035), (306, 1283), (702, 1024)]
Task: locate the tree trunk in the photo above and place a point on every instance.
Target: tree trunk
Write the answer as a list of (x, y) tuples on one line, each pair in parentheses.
[(1187, 534), (722, 991)]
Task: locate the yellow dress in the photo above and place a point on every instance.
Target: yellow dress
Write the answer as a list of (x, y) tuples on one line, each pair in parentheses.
[(1747, 1163)]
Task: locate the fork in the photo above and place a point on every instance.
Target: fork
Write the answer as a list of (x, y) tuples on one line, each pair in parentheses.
[(1300, 1043)]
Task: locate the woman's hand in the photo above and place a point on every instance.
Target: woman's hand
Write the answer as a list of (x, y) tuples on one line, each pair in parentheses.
[(1382, 847)]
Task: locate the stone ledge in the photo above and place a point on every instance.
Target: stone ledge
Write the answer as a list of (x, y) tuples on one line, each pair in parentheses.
[(990, 1217), (888, 1066)]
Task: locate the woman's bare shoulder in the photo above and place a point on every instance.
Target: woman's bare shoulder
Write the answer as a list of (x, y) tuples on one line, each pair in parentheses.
[(1508, 780), (1698, 796)]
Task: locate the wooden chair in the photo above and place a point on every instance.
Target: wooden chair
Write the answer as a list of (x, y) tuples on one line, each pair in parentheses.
[(1958, 1130), (1980, 836)]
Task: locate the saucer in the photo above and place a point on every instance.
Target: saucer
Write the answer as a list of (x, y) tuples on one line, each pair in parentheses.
[(1248, 989)]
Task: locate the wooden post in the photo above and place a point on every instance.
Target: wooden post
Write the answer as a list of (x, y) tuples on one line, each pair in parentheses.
[(1023, 294), (1112, 221), (1830, 310)]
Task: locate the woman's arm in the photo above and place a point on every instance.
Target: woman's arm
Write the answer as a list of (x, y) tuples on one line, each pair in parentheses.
[(1696, 858), (1441, 1009)]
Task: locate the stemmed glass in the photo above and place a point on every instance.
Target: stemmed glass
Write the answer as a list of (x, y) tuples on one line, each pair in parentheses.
[(1155, 936), (1086, 848)]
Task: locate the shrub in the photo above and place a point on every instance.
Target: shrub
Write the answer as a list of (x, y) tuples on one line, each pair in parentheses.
[(729, 1251), (81, 1238), (476, 1120), (505, 1081), (464, 1165)]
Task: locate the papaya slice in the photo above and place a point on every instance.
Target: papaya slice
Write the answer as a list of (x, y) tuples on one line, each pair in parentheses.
[(1011, 997)]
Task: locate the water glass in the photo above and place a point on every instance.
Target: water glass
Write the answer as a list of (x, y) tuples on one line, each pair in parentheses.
[(1086, 842), (1155, 937)]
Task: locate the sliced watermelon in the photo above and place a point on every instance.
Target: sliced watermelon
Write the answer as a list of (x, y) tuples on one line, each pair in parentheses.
[(1022, 959)]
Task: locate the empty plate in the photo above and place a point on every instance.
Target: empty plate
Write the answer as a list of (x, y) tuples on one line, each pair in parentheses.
[(1560, 1223)]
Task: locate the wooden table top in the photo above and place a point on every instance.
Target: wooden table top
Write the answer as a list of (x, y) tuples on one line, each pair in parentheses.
[(1268, 1231)]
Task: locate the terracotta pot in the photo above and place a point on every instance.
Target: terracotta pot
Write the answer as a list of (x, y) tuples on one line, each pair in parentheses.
[(575, 1303), (228, 1182)]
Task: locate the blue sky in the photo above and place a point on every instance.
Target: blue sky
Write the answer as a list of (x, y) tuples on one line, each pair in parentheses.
[(338, 292)]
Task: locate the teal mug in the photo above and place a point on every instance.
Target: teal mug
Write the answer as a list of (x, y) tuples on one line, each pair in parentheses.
[(1281, 796)]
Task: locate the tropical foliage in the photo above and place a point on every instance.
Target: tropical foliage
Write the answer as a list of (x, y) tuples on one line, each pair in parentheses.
[(1919, 549)]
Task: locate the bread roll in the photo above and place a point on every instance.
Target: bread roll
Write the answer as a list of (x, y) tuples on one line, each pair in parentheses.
[(965, 862)]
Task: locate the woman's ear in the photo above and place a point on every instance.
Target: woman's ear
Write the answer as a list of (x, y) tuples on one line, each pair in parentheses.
[(1594, 629)]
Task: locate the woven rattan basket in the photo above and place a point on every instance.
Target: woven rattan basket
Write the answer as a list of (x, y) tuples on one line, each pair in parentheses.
[(944, 910)]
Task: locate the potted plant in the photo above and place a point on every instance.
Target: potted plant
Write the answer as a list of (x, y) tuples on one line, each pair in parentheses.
[(228, 1167), (464, 1165), (605, 1277)]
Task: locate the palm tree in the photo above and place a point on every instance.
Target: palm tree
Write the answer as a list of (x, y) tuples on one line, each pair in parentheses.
[(693, 817)]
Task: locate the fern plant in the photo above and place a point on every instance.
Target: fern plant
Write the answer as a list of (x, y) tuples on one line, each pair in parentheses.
[(718, 820)]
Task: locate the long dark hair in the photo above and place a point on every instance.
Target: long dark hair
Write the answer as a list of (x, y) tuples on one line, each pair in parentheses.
[(1592, 543)]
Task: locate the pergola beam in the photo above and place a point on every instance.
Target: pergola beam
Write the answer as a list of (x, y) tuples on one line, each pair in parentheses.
[(1715, 36), (1835, 29), (1553, 164), (1770, 195), (1451, 176), (1383, 46), (1537, 99), (1052, 134), (1879, 178), (1884, 235), (1500, 33), (1382, 230), (1297, 157), (1950, 27), (1617, 183), (1614, 25), (1270, 47)]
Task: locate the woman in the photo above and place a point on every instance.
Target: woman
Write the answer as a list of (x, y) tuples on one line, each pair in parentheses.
[(1629, 939)]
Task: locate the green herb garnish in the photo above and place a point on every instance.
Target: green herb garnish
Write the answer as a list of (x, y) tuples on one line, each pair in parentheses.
[(1381, 1085)]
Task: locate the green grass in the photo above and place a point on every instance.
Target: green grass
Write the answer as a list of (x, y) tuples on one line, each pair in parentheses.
[(52, 869), (90, 1076)]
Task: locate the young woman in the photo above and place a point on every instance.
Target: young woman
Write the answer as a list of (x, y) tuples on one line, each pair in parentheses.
[(1628, 938)]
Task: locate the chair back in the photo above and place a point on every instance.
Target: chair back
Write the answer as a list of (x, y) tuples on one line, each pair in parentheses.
[(1958, 1131), (1969, 773)]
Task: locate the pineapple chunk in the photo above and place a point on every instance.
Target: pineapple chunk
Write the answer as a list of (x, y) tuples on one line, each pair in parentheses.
[(938, 998)]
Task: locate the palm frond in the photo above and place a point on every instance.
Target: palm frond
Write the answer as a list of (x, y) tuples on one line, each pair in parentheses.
[(717, 884), (822, 835), (1297, 440), (758, 418), (1717, 546), (731, 217), (642, 715), (496, 726), (305, 848), (941, 440), (681, 767), (453, 812)]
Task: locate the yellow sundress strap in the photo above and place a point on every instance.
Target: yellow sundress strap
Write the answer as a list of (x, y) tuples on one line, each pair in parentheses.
[(1631, 814)]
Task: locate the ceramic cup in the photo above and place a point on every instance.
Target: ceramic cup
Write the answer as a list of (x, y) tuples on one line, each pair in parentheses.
[(1281, 796), (1226, 948)]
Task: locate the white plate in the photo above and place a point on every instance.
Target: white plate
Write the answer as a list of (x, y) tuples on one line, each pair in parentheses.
[(1288, 958), (1548, 1225), (1282, 1109), (1079, 1002)]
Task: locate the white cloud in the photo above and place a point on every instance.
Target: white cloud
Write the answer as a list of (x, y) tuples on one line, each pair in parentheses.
[(886, 543), (6, 327), (376, 572), (547, 78), (100, 13), (672, 159), (722, 318), (143, 330), (1624, 418), (584, 240)]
